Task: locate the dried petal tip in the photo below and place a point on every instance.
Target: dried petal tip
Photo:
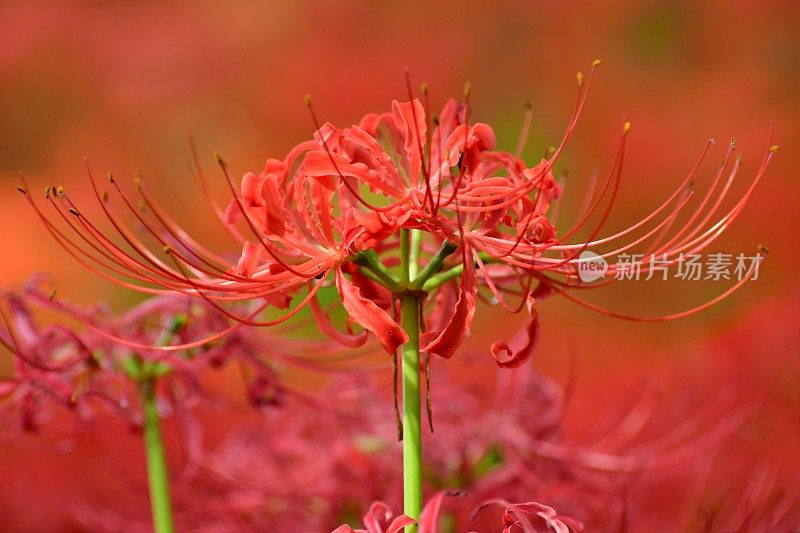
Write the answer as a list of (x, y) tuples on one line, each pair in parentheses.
[(22, 189), (626, 128), (774, 148), (307, 99), (581, 78), (596, 63)]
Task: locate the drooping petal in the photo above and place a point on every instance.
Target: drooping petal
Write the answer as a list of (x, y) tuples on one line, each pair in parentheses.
[(451, 337), (371, 317), (519, 349), (325, 326)]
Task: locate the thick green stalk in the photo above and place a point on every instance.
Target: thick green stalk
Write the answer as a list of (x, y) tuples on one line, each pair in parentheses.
[(412, 420), (157, 474)]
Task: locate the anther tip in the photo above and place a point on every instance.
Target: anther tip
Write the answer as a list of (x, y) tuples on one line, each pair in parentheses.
[(424, 88), (307, 99), (74, 212), (626, 128), (528, 106), (733, 144), (218, 157), (774, 148), (110, 177), (22, 189), (596, 63), (763, 249), (467, 89), (581, 78)]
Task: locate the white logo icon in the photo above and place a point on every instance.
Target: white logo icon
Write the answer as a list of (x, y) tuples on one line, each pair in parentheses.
[(591, 267)]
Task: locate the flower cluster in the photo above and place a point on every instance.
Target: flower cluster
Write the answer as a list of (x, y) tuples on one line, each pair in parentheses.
[(93, 363), (364, 206), (329, 460)]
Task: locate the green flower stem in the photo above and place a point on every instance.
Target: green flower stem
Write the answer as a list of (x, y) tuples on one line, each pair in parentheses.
[(434, 282), (416, 249), (412, 420), (157, 475), (372, 267), (435, 264)]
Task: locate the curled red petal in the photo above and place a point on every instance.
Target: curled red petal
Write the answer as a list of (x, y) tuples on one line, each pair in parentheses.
[(326, 327), (371, 317), (452, 335), (519, 350), (399, 523)]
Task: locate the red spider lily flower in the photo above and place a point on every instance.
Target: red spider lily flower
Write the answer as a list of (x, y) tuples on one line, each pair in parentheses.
[(86, 371), (515, 515), (351, 201), (522, 515), (380, 519)]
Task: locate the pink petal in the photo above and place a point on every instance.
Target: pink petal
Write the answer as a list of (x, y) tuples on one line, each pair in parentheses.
[(399, 523)]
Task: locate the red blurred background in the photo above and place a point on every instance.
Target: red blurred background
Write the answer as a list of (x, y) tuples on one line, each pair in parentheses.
[(126, 83)]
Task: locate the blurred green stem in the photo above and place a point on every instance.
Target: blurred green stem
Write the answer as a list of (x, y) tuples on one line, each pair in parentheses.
[(157, 474)]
